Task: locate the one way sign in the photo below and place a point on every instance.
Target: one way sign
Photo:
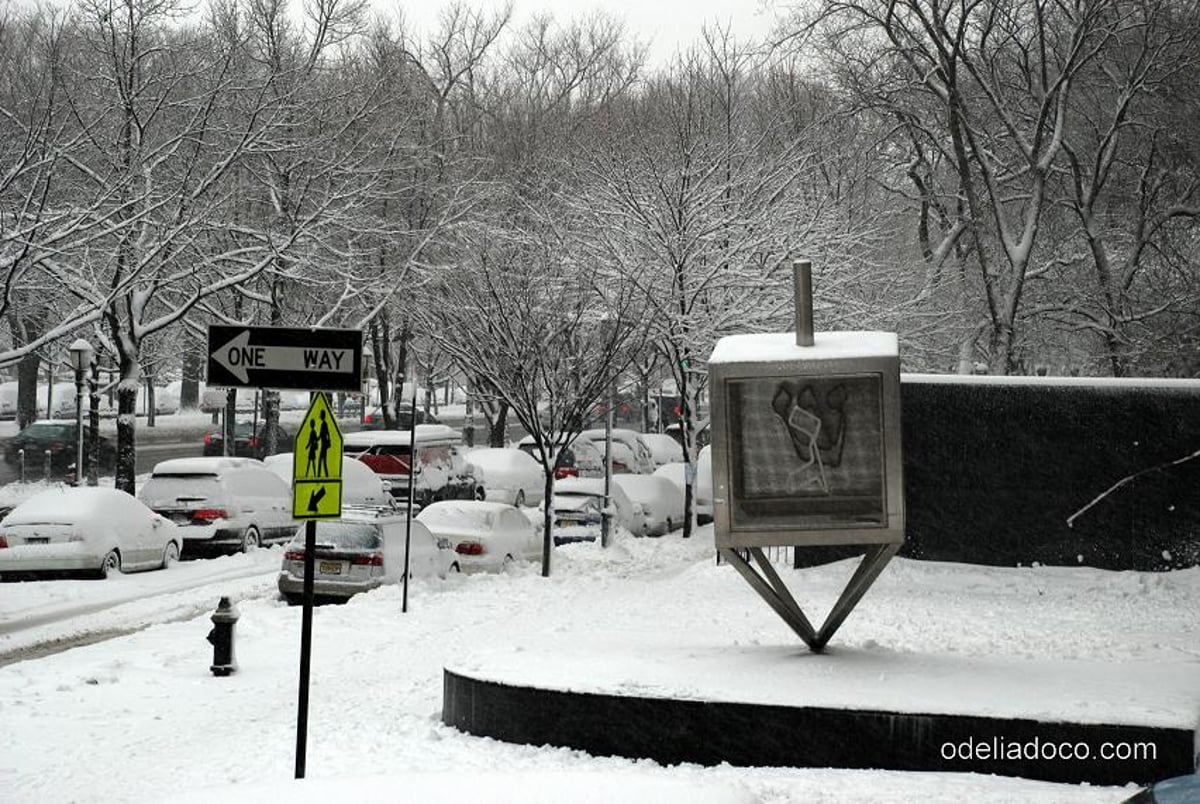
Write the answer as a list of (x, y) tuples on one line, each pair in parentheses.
[(282, 357)]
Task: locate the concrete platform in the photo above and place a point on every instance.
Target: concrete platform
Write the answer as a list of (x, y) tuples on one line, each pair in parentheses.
[(865, 707)]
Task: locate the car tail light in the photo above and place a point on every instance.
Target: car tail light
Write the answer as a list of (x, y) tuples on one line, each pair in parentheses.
[(253, 442), (469, 548), (565, 471), (3, 540), (57, 446), (293, 555), (208, 514), (368, 419), (208, 439), (620, 467), (369, 560)]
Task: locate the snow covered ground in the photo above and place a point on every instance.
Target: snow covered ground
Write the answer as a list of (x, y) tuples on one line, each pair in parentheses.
[(139, 717)]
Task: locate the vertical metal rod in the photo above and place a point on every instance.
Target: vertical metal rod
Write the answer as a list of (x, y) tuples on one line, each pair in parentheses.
[(606, 515), (412, 471), (802, 286), (78, 427), (310, 549)]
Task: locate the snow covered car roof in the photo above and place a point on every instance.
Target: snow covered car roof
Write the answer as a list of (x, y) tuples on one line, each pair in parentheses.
[(211, 465), (67, 505), (463, 515), (501, 458), (424, 432), (645, 487)]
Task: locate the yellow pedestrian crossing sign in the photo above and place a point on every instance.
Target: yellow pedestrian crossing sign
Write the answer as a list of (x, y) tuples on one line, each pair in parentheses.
[(317, 464)]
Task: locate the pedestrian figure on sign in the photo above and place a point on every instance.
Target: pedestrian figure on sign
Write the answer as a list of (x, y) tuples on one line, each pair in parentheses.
[(326, 441), (311, 446)]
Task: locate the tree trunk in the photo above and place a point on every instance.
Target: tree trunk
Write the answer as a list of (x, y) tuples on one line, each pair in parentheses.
[(270, 398), (189, 386), (548, 518), (127, 424), (27, 377), (498, 432)]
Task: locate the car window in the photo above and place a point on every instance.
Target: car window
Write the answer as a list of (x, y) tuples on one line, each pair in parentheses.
[(46, 431), (171, 489), (349, 535)]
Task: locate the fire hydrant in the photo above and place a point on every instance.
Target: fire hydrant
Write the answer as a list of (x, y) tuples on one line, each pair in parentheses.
[(221, 637)]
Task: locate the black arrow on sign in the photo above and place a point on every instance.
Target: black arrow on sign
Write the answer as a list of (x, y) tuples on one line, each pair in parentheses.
[(315, 498)]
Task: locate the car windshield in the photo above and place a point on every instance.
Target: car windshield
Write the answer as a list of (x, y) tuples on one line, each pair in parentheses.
[(345, 535)]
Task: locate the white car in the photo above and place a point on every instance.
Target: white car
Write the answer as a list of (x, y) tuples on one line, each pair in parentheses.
[(580, 501), (362, 551), (703, 489), (580, 458), (360, 486), (701, 485), (632, 456), (507, 475), (661, 502), (89, 529), (484, 535), (221, 503), (664, 449)]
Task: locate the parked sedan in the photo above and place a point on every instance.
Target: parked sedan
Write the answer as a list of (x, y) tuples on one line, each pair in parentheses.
[(373, 420), (59, 439), (89, 529), (359, 552), (579, 503), (664, 449), (484, 535), (661, 502), (507, 475), (248, 441)]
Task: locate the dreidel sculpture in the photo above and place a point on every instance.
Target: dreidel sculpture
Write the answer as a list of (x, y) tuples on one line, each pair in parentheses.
[(221, 637)]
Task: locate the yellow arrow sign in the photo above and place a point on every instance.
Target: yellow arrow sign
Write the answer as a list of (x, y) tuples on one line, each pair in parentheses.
[(317, 499), (317, 464)]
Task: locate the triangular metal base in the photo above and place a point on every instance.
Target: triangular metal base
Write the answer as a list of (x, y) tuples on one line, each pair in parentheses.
[(772, 589)]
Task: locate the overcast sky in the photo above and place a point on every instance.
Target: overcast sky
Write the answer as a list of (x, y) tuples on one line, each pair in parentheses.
[(666, 25)]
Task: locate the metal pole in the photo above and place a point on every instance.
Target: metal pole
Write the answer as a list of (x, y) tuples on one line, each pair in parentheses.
[(79, 427), (310, 549), (606, 515), (802, 286), (412, 471)]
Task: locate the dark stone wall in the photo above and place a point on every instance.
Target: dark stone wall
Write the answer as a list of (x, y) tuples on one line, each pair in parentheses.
[(993, 471)]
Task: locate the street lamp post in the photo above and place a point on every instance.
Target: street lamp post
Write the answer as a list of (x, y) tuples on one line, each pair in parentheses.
[(80, 353)]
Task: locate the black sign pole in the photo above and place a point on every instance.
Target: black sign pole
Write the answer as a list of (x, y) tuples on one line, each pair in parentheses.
[(310, 548), (412, 471)]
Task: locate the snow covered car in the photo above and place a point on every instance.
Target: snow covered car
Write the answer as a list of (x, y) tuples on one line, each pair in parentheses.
[(362, 551), (441, 472), (703, 490), (360, 486), (660, 500), (580, 458), (663, 448), (507, 475), (579, 502), (630, 453), (89, 529), (484, 535), (221, 504)]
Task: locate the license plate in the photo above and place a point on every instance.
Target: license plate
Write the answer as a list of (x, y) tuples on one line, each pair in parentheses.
[(38, 540), (331, 568)]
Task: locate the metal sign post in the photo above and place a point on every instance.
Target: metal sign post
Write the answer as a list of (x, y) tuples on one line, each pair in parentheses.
[(316, 494)]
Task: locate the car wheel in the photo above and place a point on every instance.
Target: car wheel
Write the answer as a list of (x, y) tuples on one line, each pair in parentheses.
[(520, 500), (251, 539), (670, 525), (170, 554), (480, 493), (110, 564)]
